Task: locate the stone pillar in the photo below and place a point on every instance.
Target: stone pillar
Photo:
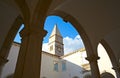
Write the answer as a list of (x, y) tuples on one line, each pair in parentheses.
[(29, 59), (117, 71), (94, 66)]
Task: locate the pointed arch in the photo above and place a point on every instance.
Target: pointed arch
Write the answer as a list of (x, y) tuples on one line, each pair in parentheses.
[(67, 17), (109, 52), (112, 57), (92, 55), (10, 37), (24, 10)]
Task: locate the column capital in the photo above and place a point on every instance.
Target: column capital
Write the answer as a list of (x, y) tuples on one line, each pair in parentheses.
[(30, 53), (3, 60), (116, 68), (94, 66), (92, 58), (38, 32)]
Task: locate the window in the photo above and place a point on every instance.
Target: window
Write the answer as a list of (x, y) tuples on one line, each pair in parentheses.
[(58, 47), (55, 66), (51, 47), (63, 65)]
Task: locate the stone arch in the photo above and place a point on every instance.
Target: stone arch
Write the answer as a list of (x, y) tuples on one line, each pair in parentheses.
[(107, 75), (111, 56), (75, 77), (92, 56), (87, 75), (10, 37), (4, 51), (66, 17)]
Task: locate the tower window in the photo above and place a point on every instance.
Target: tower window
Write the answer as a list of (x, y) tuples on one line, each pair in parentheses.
[(51, 47)]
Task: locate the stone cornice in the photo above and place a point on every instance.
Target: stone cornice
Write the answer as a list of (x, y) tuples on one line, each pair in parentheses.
[(3, 60), (47, 53), (79, 50), (44, 52), (16, 44)]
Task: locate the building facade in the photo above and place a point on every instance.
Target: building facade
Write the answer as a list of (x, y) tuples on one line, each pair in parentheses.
[(55, 64)]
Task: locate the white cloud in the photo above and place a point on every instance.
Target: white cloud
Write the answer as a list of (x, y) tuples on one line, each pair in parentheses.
[(72, 44), (69, 44)]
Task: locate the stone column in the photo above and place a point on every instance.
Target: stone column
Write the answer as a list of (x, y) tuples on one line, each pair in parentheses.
[(94, 66), (117, 71), (29, 59)]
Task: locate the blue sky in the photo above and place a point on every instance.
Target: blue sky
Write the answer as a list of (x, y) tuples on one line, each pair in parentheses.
[(65, 28), (70, 35)]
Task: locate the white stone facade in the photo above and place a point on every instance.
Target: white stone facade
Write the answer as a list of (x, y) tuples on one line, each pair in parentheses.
[(55, 64), (75, 64)]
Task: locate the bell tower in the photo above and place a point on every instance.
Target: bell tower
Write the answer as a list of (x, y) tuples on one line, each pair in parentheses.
[(56, 42)]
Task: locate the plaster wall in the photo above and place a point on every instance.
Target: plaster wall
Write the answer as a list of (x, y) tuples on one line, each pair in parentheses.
[(74, 63), (9, 67), (47, 67)]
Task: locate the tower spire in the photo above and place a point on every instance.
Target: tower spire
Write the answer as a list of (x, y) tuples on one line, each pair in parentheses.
[(56, 42), (55, 31)]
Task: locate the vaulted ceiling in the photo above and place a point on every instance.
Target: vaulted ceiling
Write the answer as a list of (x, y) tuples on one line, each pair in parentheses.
[(96, 21)]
